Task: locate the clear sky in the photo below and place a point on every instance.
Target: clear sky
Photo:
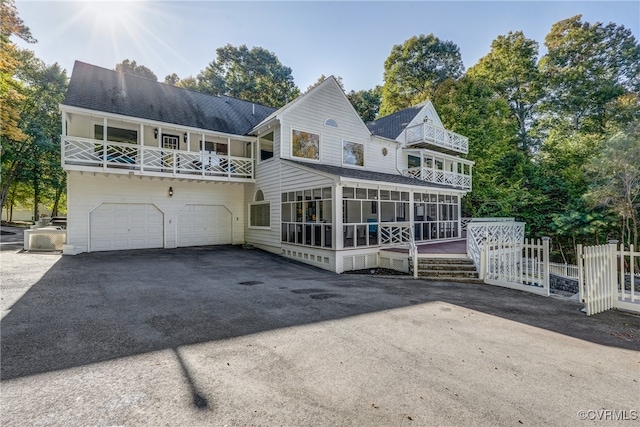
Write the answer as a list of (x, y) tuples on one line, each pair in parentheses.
[(347, 39)]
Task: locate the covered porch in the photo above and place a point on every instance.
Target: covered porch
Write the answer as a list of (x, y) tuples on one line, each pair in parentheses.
[(131, 146), (438, 168)]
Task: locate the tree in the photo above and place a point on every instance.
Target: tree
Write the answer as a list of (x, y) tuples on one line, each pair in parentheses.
[(511, 70), (130, 67), (615, 180), (500, 174), (251, 74), (366, 102), (12, 137), (587, 69), (323, 78), (414, 69), (172, 79), (36, 161), (190, 83)]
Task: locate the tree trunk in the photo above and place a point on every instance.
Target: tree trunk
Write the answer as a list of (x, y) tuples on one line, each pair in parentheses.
[(56, 202), (36, 193)]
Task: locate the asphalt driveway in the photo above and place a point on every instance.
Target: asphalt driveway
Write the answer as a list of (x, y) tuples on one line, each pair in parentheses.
[(227, 336)]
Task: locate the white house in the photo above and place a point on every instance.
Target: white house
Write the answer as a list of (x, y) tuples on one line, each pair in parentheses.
[(156, 166)]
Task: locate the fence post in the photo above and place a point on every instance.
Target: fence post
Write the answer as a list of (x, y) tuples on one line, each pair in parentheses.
[(613, 286), (580, 262), (545, 263), (483, 259)]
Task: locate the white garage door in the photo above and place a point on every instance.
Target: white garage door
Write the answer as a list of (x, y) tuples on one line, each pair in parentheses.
[(200, 225), (116, 226)]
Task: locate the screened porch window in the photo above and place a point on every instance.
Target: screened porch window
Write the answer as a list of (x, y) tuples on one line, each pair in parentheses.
[(307, 217)]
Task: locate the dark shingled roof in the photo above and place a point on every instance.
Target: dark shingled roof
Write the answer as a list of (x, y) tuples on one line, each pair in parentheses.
[(97, 88), (369, 175), (392, 125)]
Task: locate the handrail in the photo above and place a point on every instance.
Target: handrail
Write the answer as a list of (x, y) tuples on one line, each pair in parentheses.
[(425, 132), (118, 155), (481, 232), (440, 177)]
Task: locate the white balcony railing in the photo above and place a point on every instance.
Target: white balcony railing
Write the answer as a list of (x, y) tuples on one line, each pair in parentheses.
[(437, 176), (434, 135), (117, 156)]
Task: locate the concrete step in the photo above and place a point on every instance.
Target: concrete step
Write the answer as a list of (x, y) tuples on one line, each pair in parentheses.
[(441, 267), (447, 273), (452, 261), (451, 279)]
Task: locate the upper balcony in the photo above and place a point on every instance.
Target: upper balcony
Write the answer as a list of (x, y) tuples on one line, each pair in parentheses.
[(438, 168), (427, 135), (85, 154)]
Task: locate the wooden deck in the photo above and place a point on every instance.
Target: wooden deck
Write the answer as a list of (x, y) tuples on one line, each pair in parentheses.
[(451, 248)]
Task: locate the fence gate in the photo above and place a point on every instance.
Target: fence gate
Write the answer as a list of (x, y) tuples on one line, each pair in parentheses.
[(597, 277), (602, 278)]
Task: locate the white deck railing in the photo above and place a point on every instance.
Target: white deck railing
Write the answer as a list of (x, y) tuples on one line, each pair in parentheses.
[(395, 234), (116, 156), (440, 177), (488, 230), (435, 135)]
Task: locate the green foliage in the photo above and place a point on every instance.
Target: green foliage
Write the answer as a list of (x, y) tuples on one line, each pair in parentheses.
[(188, 83), (511, 70), (323, 78), (130, 67), (35, 161), (366, 102), (614, 180), (251, 74), (172, 79), (10, 88), (415, 68), (587, 69)]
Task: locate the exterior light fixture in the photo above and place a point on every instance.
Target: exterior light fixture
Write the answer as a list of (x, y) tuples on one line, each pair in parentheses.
[(155, 133), (186, 137), (170, 191)]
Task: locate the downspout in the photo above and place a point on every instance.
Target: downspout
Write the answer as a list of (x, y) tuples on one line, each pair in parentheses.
[(397, 148)]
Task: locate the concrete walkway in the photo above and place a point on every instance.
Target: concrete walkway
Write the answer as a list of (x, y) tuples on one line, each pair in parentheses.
[(223, 336)]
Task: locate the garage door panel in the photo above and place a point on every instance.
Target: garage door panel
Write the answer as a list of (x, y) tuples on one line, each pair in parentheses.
[(118, 226), (204, 225)]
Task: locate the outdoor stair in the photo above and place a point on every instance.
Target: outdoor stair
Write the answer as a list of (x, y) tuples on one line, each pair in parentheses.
[(448, 270)]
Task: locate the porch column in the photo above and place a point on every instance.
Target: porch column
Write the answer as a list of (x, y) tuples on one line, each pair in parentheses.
[(459, 215), (229, 157), (337, 217), (104, 143), (62, 139), (141, 147), (202, 154)]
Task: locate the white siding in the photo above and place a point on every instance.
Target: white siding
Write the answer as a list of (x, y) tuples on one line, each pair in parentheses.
[(88, 191), (267, 180), (273, 178), (309, 114), (295, 178), (378, 162)]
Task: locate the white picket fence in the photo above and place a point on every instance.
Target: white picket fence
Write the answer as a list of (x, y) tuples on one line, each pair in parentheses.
[(517, 265), (565, 270), (602, 278)]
